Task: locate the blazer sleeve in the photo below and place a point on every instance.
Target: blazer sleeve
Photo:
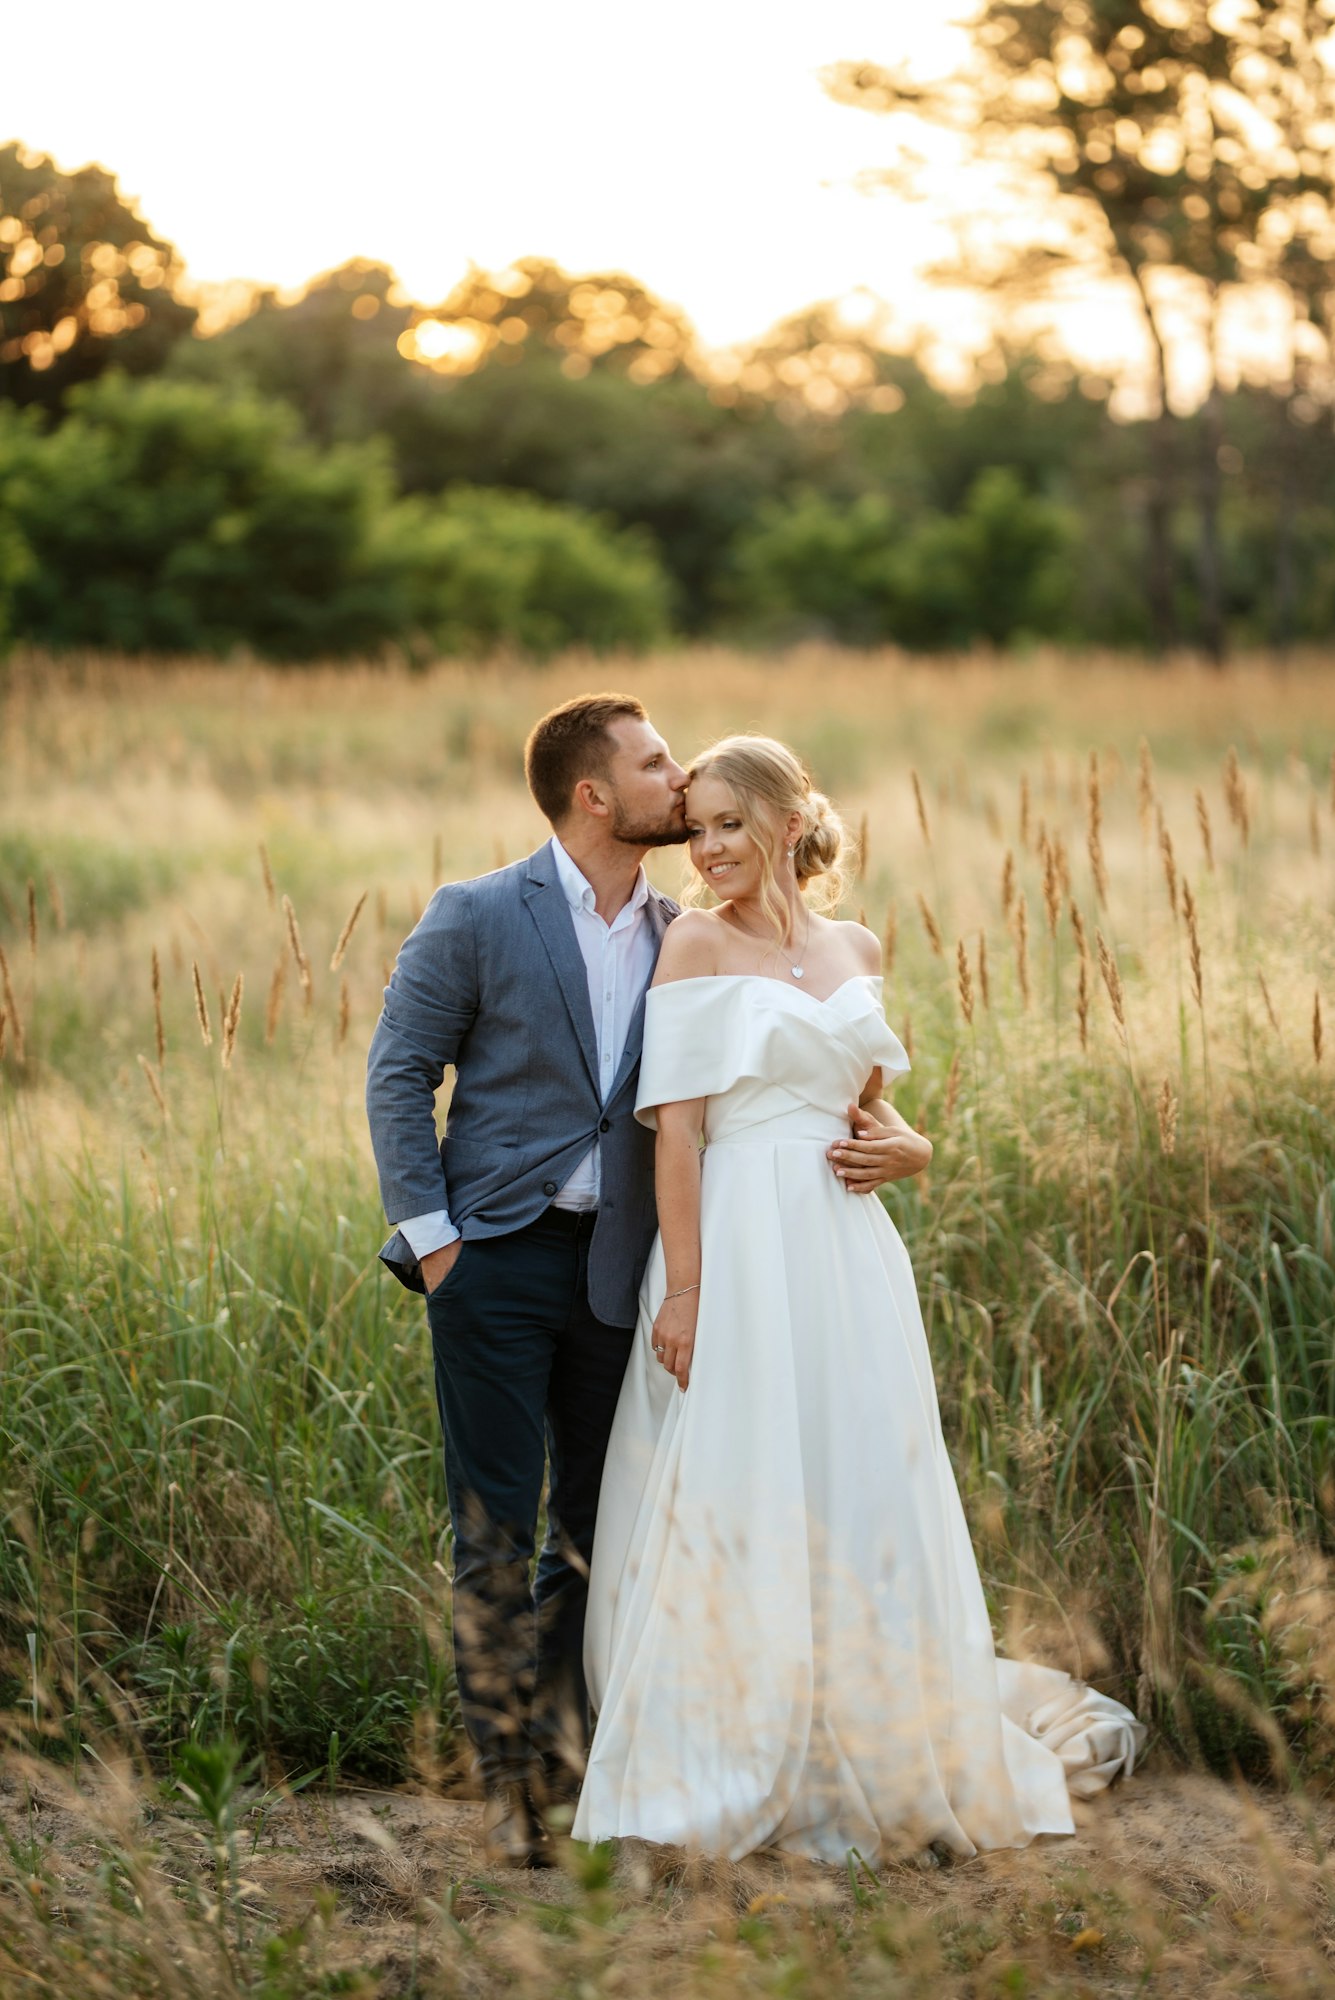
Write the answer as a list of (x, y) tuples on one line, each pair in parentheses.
[(431, 1003)]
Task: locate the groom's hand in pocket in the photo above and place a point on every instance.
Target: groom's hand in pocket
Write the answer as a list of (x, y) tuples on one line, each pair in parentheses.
[(437, 1264)]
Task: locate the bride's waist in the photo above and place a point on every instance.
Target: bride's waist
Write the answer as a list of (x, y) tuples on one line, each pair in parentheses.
[(807, 1127)]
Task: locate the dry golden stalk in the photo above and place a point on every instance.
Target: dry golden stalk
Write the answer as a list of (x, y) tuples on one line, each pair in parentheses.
[(919, 801), (1112, 979), (1078, 926), (11, 1007), (151, 1078), (1094, 839), (232, 1020), (1316, 1023), (1169, 865), (1024, 811), (1167, 1108), (929, 924), (346, 932), (298, 952), (1269, 1004), (437, 858), (1052, 888), (201, 1006), (270, 887), (984, 984), (1313, 827), (1063, 861), (1193, 943), (952, 1086), (274, 1006), (1145, 785), (864, 847), (344, 1011), (4, 1032), (907, 1037), (1082, 1000), (1203, 822), (965, 981), (1235, 795), (1007, 883), (158, 1033), (891, 936), (56, 900), (32, 917), (862, 915), (1022, 946)]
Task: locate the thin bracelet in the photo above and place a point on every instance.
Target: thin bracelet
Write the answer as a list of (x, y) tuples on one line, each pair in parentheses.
[(680, 1294)]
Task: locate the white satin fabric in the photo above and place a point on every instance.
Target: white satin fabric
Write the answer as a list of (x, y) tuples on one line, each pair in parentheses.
[(787, 1641)]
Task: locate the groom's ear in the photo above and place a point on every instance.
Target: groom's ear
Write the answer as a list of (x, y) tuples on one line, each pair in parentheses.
[(590, 796)]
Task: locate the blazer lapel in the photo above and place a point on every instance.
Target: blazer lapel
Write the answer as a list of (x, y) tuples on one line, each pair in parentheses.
[(548, 908), (659, 912)]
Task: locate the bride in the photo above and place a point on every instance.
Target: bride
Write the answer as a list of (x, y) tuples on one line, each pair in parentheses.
[(787, 1642)]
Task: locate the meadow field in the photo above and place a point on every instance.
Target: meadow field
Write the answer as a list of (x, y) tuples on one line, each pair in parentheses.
[(231, 1760)]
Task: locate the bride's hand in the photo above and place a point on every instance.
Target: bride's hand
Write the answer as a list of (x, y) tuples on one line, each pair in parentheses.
[(674, 1335)]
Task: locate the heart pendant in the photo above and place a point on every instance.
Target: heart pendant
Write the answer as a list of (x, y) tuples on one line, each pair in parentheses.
[(798, 971)]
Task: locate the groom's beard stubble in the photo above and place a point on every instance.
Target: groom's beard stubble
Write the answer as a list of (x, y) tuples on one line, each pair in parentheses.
[(639, 833)]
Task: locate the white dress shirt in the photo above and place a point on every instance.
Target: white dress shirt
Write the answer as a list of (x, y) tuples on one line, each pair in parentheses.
[(618, 963)]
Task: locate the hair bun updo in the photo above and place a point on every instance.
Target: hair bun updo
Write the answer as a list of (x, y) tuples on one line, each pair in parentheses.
[(821, 846)]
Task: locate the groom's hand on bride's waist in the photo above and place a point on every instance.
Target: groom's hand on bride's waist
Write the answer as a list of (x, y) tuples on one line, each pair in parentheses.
[(437, 1264), (882, 1146)]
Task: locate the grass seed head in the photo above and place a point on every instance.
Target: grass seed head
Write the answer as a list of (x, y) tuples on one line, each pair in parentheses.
[(1169, 865), (201, 1006), (1203, 822), (151, 1079), (232, 1020), (11, 1008), (1235, 795), (1022, 947), (1007, 883), (952, 1086), (1052, 887), (1145, 785), (931, 926), (1316, 1023), (864, 848), (1167, 1108), (299, 953), (984, 983), (1269, 1003), (920, 803), (32, 916), (159, 1036), (1078, 927), (1112, 979), (270, 887), (274, 1006), (1082, 1000), (891, 936), (344, 1010), (964, 979), (1193, 943), (1024, 810), (345, 934)]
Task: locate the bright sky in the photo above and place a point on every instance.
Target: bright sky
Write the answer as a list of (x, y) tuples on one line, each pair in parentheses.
[(690, 144)]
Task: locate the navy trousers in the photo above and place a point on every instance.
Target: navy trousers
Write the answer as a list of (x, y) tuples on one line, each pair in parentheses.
[(525, 1376)]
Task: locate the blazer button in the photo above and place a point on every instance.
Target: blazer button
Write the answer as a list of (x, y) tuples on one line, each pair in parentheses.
[(549, 1187), (606, 1125)]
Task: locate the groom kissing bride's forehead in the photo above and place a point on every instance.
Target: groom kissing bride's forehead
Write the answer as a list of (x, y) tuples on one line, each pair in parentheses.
[(529, 1224)]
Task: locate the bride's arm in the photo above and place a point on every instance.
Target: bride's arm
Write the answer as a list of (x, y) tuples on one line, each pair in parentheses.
[(677, 1186)]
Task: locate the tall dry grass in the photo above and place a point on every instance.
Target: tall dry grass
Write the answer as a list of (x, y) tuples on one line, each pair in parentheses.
[(224, 1519)]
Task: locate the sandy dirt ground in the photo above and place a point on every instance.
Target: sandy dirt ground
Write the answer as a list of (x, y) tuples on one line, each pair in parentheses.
[(1173, 1884)]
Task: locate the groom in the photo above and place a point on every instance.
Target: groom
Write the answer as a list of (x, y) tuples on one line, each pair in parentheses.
[(529, 1226)]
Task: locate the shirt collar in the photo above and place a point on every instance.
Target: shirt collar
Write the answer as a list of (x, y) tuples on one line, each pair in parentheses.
[(578, 891)]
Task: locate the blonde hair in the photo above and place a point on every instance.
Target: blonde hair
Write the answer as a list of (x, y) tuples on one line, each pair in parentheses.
[(760, 773)]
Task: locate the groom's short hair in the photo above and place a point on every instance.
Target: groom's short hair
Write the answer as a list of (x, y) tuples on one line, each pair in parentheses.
[(570, 743)]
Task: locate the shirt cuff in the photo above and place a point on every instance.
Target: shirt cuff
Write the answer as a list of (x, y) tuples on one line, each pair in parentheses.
[(425, 1233)]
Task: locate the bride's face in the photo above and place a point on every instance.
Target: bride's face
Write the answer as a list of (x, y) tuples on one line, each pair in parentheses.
[(721, 850)]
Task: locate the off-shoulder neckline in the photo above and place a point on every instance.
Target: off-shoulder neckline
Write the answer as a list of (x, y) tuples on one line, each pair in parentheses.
[(768, 979)]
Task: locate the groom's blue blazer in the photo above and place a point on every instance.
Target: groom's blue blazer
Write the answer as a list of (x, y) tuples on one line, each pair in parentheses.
[(492, 982)]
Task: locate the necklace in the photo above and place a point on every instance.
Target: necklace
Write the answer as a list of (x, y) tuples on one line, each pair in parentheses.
[(798, 971)]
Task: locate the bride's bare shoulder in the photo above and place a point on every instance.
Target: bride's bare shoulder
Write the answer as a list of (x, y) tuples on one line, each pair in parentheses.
[(690, 947), (860, 943)]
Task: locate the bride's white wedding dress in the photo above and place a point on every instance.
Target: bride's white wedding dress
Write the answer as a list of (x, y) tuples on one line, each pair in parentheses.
[(787, 1642)]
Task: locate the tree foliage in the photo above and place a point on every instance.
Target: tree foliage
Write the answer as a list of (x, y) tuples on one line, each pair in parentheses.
[(85, 281)]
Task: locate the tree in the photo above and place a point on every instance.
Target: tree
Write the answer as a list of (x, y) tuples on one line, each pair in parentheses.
[(1173, 135), (85, 281)]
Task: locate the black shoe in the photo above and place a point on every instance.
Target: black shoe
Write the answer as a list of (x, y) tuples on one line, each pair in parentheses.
[(511, 1835)]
